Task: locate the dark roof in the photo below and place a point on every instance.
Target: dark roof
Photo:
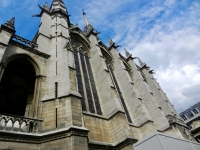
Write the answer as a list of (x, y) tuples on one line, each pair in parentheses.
[(188, 112)]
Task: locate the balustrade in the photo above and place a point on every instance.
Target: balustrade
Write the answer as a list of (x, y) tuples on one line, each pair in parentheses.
[(15, 123), (25, 41)]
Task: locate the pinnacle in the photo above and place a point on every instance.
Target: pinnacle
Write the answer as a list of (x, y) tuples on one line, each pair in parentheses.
[(46, 5), (88, 27), (58, 5), (11, 23), (141, 63), (110, 41), (127, 53)]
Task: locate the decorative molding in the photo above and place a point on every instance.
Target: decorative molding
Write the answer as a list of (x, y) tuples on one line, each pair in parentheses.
[(27, 48), (3, 44), (104, 117), (111, 146), (43, 137), (10, 30), (72, 68)]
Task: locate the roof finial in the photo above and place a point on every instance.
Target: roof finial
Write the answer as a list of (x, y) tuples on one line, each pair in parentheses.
[(110, 41), (87, 26), (11, 23), (46, 6), (141, 63), (83, 12), (127, 53)]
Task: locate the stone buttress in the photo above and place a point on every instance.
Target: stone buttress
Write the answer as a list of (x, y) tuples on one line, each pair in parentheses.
[(74, 92)]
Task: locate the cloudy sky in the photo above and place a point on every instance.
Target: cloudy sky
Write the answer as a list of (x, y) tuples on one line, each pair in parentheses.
[(165, 34)]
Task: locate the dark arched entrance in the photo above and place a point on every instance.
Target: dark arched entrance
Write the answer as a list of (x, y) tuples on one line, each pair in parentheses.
[(17, 86)]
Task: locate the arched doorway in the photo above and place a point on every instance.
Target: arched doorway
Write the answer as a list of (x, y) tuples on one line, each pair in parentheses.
[(17, 86)]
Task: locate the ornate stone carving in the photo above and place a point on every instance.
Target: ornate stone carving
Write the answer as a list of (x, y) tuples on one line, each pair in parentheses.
[(42, 137), (11, 23), (175, 120)]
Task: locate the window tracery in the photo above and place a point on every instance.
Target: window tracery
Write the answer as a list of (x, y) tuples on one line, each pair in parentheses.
[(86, 83)]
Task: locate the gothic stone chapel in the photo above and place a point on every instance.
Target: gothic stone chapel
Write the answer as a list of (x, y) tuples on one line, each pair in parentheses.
[(66, 90)]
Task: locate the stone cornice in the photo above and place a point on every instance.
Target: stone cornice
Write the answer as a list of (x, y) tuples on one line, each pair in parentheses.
[(70, 94), (104, 117), (10, 30), (32, 50), (111, 146), (38, 34), (43, 137), (3, 44)]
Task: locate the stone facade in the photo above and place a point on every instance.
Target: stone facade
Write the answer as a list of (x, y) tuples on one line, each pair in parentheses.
[(191, 117), (84, 94)]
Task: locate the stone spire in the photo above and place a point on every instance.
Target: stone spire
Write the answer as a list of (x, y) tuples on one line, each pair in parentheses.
[(127, 53), (46, 6), (87, 26), (58, 5), (141, 63), (11, 23), (110, 41)]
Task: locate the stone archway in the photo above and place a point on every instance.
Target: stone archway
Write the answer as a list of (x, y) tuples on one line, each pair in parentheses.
[(17, 86)]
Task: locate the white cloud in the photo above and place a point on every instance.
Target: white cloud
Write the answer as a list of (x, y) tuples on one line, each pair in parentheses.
[(162, 34), (5, 3), (165, 36), (171, 46)]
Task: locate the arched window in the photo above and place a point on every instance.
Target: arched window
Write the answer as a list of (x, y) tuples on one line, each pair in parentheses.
[(86, 83), (17, 87)]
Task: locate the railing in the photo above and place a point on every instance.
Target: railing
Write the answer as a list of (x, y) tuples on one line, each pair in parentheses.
[(173, 119), (24, 41), (15, 123)]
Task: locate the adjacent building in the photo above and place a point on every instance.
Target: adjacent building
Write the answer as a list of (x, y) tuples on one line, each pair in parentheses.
[(66, 89), (191, 117)]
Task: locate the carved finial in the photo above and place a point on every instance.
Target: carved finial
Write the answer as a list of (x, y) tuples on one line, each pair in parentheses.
[(110, 41), (87, 26), (141, 63), (11, 23), (127, 53), (46, 6), (83, 12)]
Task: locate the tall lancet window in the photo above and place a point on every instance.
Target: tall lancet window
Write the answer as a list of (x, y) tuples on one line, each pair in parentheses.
[(112, 75), (86, 83)]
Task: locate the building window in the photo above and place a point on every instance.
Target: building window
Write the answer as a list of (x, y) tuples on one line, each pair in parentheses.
[(183, 117), (195, 111), (86, 84)]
